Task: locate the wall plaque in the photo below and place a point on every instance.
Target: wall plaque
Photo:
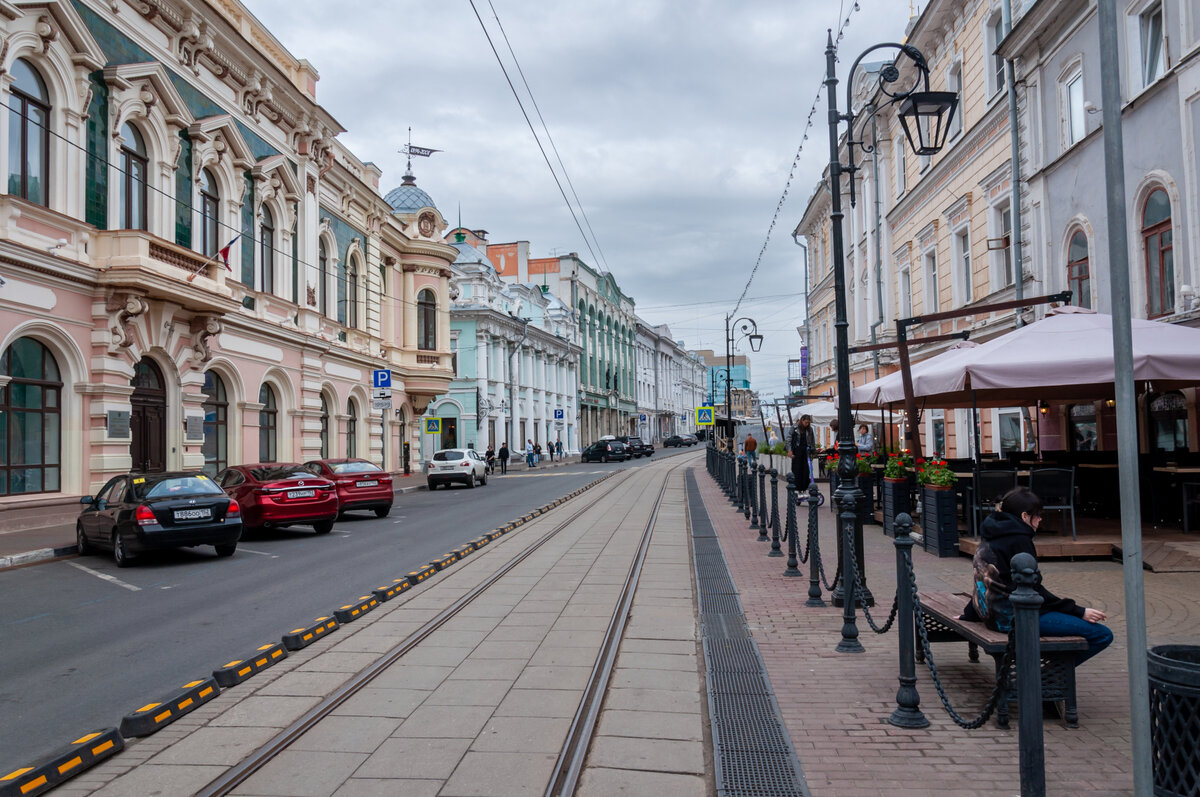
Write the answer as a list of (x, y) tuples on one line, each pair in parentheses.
[(194, 427), (118, 423)]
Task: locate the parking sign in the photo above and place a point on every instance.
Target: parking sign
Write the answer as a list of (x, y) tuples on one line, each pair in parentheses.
[(381, 377), (558, 415)]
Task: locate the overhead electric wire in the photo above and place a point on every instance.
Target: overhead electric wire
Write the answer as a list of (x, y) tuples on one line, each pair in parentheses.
[(549, 138), (529, 122)]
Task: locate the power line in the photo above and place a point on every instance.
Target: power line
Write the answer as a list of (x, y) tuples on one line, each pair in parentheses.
[(528, 122)]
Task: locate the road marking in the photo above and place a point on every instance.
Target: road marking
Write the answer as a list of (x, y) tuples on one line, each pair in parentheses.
[(105, 576), (260, 553)]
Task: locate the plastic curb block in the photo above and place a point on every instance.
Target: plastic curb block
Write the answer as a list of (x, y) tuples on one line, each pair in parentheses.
[(62, 765), (420, 574), (237, 671), (444, 561), (353, 611), (299, 638), (397, 586), (153, 716)]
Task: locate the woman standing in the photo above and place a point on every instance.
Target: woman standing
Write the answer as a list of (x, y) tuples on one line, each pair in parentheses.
[(801, 447)]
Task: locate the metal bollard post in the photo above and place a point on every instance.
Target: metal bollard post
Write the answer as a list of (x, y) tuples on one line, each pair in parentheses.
[(814, 548), (793, 562), (908, 712), (847, 517), (745, 489), (752, 486), (1026, 604), (764, 514), (739, 466), (775, 549)]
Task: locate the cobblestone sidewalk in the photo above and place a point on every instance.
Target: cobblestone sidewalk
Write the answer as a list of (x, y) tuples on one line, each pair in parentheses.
[(834, 704)]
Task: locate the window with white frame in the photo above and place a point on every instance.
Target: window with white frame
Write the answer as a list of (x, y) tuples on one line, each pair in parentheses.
[(1002, 264), (1011, 432), (1152, 44), (962, 252), (1074, 116), (901, 166), (904, 295), (995, 35), (931, 281), (954, 83)]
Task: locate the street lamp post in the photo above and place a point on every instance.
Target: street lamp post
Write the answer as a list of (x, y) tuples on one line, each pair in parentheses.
[(749, 329), (925, 117)]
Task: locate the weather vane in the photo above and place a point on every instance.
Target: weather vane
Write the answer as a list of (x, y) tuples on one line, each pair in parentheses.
[(409, 150)]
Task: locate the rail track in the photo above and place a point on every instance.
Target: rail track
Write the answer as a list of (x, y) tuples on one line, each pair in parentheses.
[(569, 764)]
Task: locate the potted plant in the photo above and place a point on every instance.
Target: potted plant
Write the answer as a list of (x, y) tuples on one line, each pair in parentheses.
[(897, 488), (939, 518)]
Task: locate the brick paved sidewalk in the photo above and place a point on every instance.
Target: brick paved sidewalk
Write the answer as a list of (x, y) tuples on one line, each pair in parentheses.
[(834, 704)]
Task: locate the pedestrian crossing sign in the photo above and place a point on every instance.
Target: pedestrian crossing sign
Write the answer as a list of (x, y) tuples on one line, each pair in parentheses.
[(433, 426), (704, 416)]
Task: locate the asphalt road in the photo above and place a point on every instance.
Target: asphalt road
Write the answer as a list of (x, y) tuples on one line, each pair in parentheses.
[(83, 643)]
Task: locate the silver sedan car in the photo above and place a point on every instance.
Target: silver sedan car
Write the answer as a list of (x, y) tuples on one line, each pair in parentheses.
[(451, 465)]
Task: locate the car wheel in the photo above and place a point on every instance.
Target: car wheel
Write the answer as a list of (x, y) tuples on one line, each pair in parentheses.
[(225, 550), (431, 486), (382, 511), (471, 480), (120, 553), (323, 527), (81, 541), (483, 480), (604, 457)]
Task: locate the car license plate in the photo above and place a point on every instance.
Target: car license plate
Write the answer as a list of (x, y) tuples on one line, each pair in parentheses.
[(301, 493), (192, 514), (367, 483)]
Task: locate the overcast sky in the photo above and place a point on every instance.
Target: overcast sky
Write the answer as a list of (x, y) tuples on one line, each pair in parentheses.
[(677, 120)]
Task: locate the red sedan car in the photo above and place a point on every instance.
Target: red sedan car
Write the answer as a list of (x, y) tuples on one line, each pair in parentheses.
[(360, 484), (275, 495)]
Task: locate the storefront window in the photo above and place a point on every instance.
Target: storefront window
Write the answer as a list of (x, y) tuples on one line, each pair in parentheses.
[(1082, 421), (1168, 422), (30, 420), (216, 425)]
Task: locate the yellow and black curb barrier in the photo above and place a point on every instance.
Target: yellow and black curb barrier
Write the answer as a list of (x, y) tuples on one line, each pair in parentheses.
[(444, 561), (464, 550), (299, 638), (239, 670), (481, 541), (353, 611), (397, 586), (420, 574), (59, 767), (494, 535), (152, 716)]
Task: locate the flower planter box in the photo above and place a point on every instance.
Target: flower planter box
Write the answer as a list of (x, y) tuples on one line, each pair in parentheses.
[(896, 499), (866, 509), (939, 520)]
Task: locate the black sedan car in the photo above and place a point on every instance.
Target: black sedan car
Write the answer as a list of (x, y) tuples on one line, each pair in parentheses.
[(137, 512), (679, 440), (606, 451), (637, 447)]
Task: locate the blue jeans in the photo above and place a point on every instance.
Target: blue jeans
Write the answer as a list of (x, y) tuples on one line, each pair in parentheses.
[(1061, 624), (752, 458)]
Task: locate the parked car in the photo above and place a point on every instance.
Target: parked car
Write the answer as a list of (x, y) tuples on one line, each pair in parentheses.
[(277, 495), (605, 451), (674, 441), (450, 465), (137, 512), (689, 439), (360, 484), (637, 447)]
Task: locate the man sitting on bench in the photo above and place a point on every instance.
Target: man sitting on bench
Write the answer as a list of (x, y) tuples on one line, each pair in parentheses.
[(1007, 533)]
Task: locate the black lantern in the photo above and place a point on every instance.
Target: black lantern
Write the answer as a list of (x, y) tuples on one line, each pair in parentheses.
[(925, 117), (755, 342)]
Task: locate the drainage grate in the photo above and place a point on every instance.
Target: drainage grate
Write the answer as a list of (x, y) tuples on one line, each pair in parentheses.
[(754, 757)]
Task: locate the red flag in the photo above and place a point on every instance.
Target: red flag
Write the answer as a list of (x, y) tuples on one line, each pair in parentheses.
[(224, 252)]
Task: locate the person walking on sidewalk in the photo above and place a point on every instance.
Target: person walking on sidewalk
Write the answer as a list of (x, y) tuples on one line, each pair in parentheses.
[(529, 453), (558, 448), (537, 453), (801, 447), (750, 446), (503, 457), (1006, 533), (489, 457)]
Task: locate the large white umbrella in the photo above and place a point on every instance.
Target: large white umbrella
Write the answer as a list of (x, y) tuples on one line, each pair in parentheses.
[(890, 389), (823, 412), (1066, 355)]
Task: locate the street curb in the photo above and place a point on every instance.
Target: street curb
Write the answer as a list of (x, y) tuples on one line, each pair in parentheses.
[(40, 555)]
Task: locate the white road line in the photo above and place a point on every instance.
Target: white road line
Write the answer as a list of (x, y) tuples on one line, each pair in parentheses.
[(260, 553), (105, 576)]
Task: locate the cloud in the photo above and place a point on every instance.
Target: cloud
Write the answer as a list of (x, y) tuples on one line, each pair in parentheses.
[(678, 123)]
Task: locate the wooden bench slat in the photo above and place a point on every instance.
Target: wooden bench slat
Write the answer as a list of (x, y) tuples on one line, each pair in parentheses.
[(947, 606)]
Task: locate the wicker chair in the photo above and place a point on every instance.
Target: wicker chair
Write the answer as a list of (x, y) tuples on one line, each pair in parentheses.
[(1056, 488)]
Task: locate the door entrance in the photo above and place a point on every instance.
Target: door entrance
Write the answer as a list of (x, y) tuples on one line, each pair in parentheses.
[(148, 418), (449, 432)]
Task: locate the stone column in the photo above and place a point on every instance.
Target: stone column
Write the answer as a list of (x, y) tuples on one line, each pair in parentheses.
[(484, 388)]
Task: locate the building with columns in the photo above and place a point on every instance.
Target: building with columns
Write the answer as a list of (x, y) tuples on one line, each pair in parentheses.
[(516, 363), (195, 272), (606, 330), (670, 383)]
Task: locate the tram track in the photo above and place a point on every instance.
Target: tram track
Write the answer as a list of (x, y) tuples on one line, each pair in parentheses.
[(570, 761)]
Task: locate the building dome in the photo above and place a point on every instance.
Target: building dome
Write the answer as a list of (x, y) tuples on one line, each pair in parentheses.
[(407, 197), (469, 255)]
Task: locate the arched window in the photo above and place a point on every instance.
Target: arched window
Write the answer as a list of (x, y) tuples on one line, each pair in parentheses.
[(426, 320), (210, 213), (1168, 421), (352, 293), (268, 425), (133, 179), (324, 427), (266, 246), (28, 135), (216, 424), (1160, 264), (351, 429), (1079, 278), (322, 278), (30, 419)]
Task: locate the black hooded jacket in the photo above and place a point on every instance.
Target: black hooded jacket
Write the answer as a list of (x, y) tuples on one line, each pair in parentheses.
[(1005, 536)]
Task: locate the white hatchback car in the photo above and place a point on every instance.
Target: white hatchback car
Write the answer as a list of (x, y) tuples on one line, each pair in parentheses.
[(451, 465)]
